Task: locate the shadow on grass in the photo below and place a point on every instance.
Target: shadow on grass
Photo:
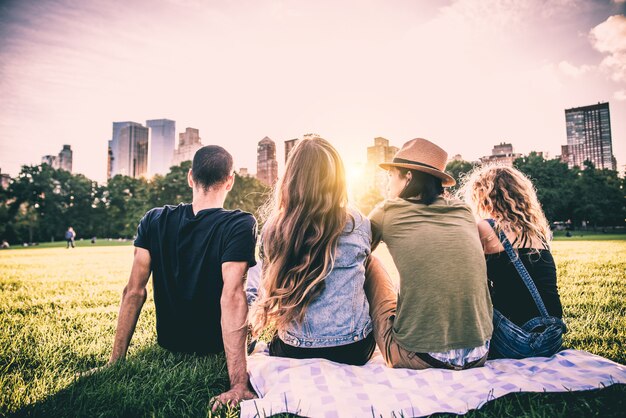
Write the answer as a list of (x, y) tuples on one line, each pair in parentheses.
[(606, 402), (153, 382)]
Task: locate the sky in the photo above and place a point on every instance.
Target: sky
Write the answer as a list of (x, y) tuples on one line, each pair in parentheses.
[(466, 74)]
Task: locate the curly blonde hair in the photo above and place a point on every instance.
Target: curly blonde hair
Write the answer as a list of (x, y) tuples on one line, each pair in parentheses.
[(508, 196), (299, 239)]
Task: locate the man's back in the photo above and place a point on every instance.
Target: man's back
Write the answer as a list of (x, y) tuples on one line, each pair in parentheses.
[(187, 252)]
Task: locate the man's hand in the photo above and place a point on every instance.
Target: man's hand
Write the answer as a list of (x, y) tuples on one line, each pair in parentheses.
[(232, 398), (90, 372)]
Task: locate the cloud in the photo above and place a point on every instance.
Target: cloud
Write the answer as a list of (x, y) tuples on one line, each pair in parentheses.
[(610, 37), (574, 71)]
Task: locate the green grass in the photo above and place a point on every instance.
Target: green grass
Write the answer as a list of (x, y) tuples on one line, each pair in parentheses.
[(58, 310), (100, 242), (588, 236)]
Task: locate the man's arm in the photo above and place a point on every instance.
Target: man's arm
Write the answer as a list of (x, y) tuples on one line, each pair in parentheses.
[(234, 332), (376, 221), (133, 299)]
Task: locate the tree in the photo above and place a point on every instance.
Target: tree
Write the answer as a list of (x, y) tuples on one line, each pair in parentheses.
[(127, 200), (248, 194), (172, 188), (457, 169), (554, 183), (600, 199)]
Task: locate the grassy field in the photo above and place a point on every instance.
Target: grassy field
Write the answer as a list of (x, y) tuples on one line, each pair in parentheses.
[(101, 242), (58, 310)]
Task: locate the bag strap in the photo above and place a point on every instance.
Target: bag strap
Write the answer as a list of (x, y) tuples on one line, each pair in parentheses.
[(519, 266)]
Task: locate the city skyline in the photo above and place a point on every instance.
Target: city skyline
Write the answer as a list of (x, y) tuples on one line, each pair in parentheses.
[(464, 74)]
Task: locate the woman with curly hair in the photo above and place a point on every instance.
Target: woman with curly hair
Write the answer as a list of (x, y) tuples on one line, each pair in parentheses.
[(314, 250), (516, 241)]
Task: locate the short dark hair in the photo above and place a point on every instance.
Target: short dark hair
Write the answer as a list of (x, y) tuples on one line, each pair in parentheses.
[(424, 185), (211, 165)]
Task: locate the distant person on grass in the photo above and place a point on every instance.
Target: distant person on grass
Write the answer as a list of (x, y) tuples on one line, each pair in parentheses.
[(199, 254), (70, 235)]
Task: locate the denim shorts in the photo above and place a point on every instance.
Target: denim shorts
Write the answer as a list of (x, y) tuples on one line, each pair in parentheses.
[(539, 337)]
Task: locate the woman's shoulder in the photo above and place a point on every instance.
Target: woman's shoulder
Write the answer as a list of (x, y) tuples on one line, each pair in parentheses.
[(356, 221)]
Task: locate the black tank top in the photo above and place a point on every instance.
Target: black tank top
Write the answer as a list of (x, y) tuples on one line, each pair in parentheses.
[(508, 292)]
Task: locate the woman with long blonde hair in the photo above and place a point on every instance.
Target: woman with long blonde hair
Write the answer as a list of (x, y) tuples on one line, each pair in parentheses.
[(516, 241), (314, 249)]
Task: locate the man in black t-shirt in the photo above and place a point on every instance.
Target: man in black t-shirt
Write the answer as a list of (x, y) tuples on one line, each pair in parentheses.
[(198, 255)]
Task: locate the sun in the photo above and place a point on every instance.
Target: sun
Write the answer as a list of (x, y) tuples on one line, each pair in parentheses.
[(355, 177)]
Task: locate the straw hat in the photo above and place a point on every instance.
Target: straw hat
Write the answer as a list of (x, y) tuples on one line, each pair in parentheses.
[(422, 155)]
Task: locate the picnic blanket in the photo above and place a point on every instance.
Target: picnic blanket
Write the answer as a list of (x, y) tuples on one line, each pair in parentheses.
[(321, 388)]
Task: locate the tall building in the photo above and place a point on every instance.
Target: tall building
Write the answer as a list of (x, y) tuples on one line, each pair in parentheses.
[(128, 150), (61, 161), (381, 152), (162, 139), (188, 144), (501, 154), (114, 151), (289, 146), (589, 137), (51, 160), (266, 164), (65, 158)]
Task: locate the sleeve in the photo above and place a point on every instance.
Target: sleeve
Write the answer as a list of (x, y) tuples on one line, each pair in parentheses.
[(376, 221), (143, 232), (240, 243)]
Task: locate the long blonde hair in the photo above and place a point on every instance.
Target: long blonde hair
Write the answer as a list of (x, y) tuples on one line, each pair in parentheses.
[(506, 195), (299, 239)]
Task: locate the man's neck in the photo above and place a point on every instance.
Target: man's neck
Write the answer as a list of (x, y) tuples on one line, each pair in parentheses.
[(207, 200)]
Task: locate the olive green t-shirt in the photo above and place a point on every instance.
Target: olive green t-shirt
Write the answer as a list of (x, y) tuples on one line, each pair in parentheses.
[(443, 302)]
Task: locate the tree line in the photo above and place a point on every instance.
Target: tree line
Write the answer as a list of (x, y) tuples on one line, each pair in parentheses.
[(41, 202), (581, 195), (578, 196)]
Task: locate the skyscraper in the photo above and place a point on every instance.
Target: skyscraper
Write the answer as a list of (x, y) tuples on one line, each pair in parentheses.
[(266, 164), (162, 139), (289, 146), (381, 152), (65, 158), (128, 153), (188, 144), (589, 137), (61, 161)]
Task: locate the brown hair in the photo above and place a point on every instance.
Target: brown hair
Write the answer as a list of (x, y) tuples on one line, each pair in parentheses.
[(299, 239)]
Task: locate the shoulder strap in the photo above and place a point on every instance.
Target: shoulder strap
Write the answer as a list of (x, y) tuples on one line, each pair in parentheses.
[(519, 266)]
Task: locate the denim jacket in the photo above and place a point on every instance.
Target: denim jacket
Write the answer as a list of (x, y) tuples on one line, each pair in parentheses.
[(340, 314)]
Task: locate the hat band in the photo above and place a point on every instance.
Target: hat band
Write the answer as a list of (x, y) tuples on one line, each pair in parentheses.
[(403, 161)]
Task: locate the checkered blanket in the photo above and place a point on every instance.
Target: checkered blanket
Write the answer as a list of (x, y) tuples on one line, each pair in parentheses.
[(321, 388)]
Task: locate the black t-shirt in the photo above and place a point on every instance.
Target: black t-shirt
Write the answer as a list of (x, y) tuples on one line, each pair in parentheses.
[(509, 294), (187, 253)]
